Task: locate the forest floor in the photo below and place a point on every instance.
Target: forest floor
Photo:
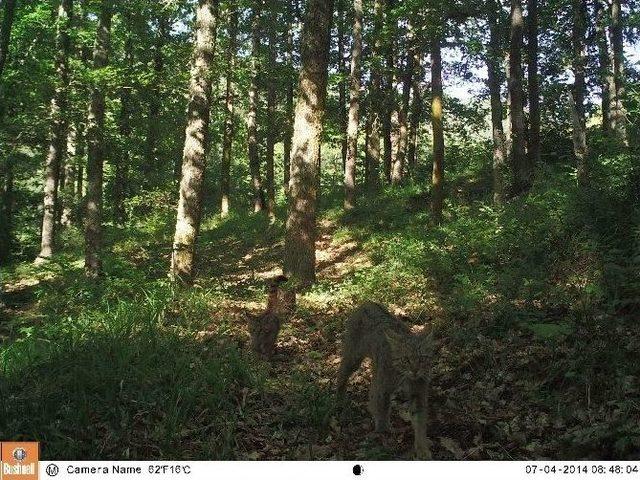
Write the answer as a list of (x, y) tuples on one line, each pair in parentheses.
[(535, 304)]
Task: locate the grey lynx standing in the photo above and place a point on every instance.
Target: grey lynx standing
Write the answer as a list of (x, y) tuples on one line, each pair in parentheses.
[(264, 328), (401, 359)]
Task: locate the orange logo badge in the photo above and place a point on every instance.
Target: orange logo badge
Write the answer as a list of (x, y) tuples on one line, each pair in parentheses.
[(19, 460)]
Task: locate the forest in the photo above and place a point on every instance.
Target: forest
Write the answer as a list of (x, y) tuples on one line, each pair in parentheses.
[(212, 210)]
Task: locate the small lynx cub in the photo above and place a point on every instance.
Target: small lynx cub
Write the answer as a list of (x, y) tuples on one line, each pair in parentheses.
[(401, 359), (264, 328)]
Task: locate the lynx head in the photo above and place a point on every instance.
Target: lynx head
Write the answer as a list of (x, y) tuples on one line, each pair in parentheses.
[(412, 355)]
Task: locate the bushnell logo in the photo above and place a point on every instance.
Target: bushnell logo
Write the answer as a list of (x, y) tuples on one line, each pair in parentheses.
[(19, 461)]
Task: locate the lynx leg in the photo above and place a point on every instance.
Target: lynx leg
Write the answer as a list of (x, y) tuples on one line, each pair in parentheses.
[(380, 402), (421, 442), (349, 364)]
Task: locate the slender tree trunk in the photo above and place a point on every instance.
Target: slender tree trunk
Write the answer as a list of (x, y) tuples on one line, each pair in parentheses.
[(520, 164), (271, 127), (416, 112), (494, 57), (6, 208), (299, 261), (354, 106), (403, 128), (152, 161), (121, 161), (5, 33), (619, 120), (227, 141), (388, 97), (81, 141), (342, 85), (437, 177), (95, 141), (252, 128), (367, 147), (288, 104), (607, 82), (196, 145), (58, 129), (579, 88), (68, 185), (533, 151), (376, 102)]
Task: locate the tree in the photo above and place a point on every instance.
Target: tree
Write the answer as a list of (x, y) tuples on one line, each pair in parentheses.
[(271, 115), (299, 261), (227, 142), (618, 115), (252, 126), (397, 170), (5, 33), (607, 82), (494, 56), (354, 109), (520, 165), (196, 145), (579, 28), (437, 176), (58, 136), (95, 141), (376, 102), (533, 151)]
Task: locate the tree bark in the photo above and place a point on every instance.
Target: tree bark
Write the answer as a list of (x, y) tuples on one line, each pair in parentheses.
[(227, 140), (397, 171), (58, 136), (288, 134), (68, 186), (5, 33), (388, 96), (520, 164), (416, 111), (376, 102), (6, 208), (354, 109), (618, 114), (196, 145), (579, 28), (95, 142), (437, 177), (494, 56), (252, 128), (271, 114), (152, 162), (342, 85), (607, 82), (299, 261), (533, 151)]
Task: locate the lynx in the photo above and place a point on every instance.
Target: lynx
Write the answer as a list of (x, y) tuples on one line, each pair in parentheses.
[(400, 359), (264, 328)]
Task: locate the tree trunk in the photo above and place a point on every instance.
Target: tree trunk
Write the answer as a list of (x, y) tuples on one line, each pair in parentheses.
[(403, 129), (342, 85), (607, 82), (271, 114), (289, 104), (416, 112), (6, 208), (388, 97), (95, 142), (68, 186), (579, 88), (534, 88), (299, 261), (252, 128), (227, 140), (58, 129), (354, 106), (81, 141), (5, 33), (152, 162), (618, 114), (376, 102), (437, 178), (196, 145), (520, 164), (494, 56)]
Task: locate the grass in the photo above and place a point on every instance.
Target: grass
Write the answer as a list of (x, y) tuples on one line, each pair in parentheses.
[(536, 303)]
